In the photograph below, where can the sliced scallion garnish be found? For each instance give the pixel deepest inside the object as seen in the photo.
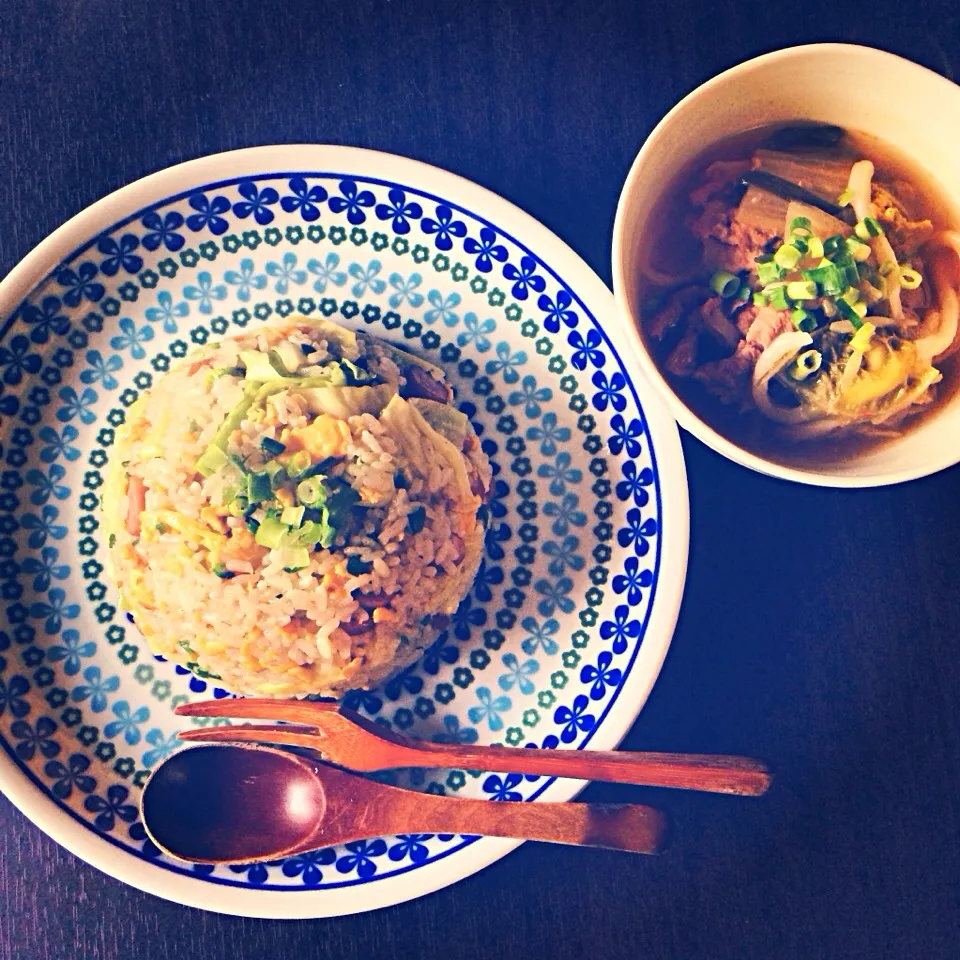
(802, 290)
(910, 279)
(725, 284)
(804, 320)
(787, 256)
(807, 363)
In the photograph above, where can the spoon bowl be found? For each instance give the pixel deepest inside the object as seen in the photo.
(243, 803)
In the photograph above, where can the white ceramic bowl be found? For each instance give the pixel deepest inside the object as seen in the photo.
(906, 105)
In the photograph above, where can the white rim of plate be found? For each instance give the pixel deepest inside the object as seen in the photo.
(314, 904)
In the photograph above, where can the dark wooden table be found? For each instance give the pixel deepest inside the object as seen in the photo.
(820, 628)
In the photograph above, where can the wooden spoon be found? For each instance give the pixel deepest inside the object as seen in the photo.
(240, 804)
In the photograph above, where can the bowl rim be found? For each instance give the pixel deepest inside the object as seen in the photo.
(685, 417)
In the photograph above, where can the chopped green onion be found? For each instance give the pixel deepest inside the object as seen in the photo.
(292, 516)
(222, 572)
(909, 278)
(258, 487)
(851, 275)
(764, 258)
(803, 319)
(356, 566)
(848, 313)
(832, 244)
(860, 309)
(270, 533)
(311, 492)
(768, 272)
(299, 463)
(238, 506)
(759, 300)
(806, 364)
(416, 519)
(271, 446)
(778, 297)
(861, 339)
(787, 256)
(826, 277)
(857, 249)
(815, 247)
(312, 532)
(845, 197)
(726, 284)
(211, 460)
(800, 243)
(851, 295)
(276, 472)
(800, 226)
(744, 292)
(868, 227)
(802, 290)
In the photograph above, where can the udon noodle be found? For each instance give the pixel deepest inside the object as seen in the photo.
(801, 283)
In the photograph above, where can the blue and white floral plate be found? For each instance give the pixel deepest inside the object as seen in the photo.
(564, 632)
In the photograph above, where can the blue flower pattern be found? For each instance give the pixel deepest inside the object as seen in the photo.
(163, 231)
(549, 434)
(489, 709)
(133, 337)
(102, 369)
(326, 272)
(166, 312)
(366, 279)
(446, 227)
(486, 249)
(525, 278)
(256, 202)
(286, 273)
(404, 290)
(95, 689)
(352, 201)
(70, 650)
(246, 279)
(127, 723)
(530, 396)
(120, 255)
(204, 292)
(399, 211)
(443, 309)
(209, 215)
(475, 332)
(304, 198)
(518, 674)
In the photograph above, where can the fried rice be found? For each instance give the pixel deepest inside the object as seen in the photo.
(296, 510)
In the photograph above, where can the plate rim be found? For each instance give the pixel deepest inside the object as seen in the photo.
(529, 232)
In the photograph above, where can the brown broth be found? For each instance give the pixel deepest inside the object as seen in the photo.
(674, 250)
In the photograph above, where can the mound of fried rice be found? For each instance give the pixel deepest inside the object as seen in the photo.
(296, 510)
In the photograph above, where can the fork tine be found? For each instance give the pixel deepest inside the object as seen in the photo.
(255, 708)
(255, 733)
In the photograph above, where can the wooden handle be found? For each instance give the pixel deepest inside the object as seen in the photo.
(712, 773)
(630, 827)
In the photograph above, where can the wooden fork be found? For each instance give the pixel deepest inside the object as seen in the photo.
(349, 740)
